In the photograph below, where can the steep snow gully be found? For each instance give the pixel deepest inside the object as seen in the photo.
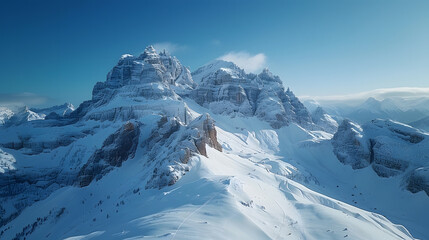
(163, 153)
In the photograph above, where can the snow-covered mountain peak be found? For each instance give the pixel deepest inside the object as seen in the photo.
(227, 89)
(374, 105)
(126, 56)
(324, 120)
(266, 74)
(61, 110)
(5, 114)
(213, 66)
(23, 115)
(150, 55)
(150, 50)
(136, 81)
(144, 159)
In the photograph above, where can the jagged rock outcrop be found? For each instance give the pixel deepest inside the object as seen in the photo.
(391, 148)
(116, 149)
(172, 145)
(227, 89)
(419, 180)
(138, 86)
(349, 145)
(324, 120)
(206, 134)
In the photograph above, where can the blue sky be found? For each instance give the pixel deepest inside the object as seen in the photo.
(57, 50)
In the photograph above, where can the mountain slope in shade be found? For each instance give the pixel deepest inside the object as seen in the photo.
(60, 110)
(421, 124)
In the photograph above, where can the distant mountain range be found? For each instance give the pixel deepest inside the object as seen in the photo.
(398, 109)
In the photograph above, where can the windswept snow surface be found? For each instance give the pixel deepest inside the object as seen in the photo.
(263, 183)
(251, 190)
(230, 195)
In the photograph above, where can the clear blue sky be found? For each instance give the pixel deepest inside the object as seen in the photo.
(60, 49)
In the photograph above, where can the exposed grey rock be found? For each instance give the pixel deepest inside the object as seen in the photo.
(207, 134)
(389, 147)
(324, 120)
(349, 145)
(419, 180)
(116, 149)
(226, 89)
(171, 146)
(133, 83)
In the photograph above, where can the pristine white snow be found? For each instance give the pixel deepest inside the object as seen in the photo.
(231, 194)
(266, 183)
(5, 114)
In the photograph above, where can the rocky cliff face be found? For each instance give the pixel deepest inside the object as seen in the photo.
(117, 148)
(324, 120)
(226, 89)
(350, 146)
(80, 146)
(419, 180)
(389, 147)
(172, 145)
(137, 86)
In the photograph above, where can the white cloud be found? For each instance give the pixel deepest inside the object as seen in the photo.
(246, 61)
(168, 46)
(379, 94)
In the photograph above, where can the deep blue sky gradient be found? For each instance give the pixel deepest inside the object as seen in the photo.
(60, 49)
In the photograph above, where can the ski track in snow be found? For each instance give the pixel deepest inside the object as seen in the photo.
(190, 215)
(266, 180)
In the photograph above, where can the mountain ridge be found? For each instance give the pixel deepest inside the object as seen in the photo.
(151, 158)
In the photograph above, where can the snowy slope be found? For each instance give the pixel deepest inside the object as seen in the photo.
(143, 159)
(60, 110)
(5, 114)
(231, 194)
(421, 124)
(23, 115)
